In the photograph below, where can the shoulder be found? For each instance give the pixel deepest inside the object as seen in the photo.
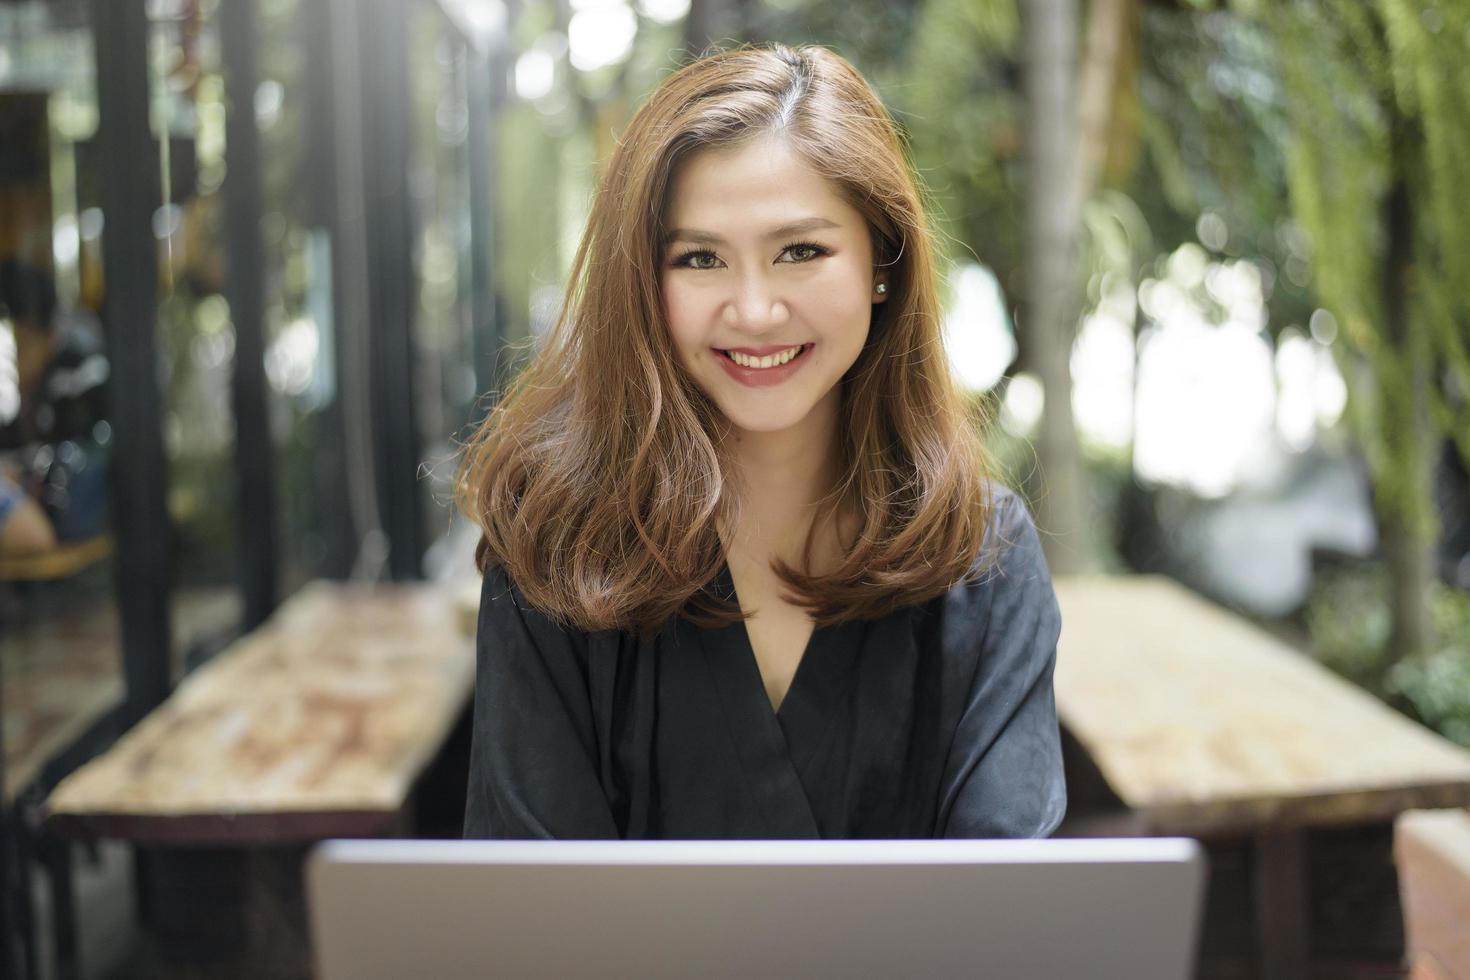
(1007, 505)
(1012, 542)
(1010, 570)
(499, 592)
(504, 609)
(1003, 620)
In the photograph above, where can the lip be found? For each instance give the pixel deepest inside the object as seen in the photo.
(763, 377)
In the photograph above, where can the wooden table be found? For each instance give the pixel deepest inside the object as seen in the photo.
(318, 724)
(1205, 725)
(330, 709)
(62, 702)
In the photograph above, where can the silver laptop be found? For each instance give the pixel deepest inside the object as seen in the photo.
(1102, 909)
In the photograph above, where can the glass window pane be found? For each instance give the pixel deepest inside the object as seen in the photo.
(196, 336)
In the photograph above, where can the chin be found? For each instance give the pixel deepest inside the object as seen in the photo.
(765, 421)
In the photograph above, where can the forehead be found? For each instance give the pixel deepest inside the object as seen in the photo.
(753, 184)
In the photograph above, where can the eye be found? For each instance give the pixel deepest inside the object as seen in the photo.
(701, 258)
(805, 251)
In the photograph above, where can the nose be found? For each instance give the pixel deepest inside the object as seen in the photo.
(755, 306)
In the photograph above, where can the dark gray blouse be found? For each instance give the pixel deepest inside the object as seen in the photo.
(935, 721)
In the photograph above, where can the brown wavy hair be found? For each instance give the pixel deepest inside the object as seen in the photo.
(600, 477)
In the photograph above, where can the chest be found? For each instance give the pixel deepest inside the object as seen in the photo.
(856, 745)
(779, 632)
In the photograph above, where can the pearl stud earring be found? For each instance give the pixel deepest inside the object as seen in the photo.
(881, 288)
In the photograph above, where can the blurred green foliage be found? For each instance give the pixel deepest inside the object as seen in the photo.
(1348, 617)
(1378, 99)
(1015, 462)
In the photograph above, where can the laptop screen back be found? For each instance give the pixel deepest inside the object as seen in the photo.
(1124, 908)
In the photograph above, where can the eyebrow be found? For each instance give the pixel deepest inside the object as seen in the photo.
(708, 238)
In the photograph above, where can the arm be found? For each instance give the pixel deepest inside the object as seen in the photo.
(532, 753)
(1004, 774)
(24, 527)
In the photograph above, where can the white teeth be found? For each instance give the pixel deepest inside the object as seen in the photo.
(770, 360)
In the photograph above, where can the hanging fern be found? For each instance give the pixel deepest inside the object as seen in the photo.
(1357, 76)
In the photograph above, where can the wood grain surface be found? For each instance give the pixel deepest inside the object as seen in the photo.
(329, 711)
(1202, 722)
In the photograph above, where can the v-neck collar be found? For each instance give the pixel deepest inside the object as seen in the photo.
(756, 735)
(725, 587)
(775, 745)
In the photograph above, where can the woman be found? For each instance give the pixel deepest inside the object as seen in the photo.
(744, 574)
(56, 441)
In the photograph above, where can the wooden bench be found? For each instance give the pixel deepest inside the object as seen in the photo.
(318, 724)
(63, 700)
(1195, 722)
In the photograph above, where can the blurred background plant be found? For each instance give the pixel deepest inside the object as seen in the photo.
(1350, 622)
(1258, 356)
(1203, 267)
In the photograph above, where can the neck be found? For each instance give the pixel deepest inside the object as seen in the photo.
(783, 476)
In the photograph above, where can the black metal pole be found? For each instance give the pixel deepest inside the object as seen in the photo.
(485, 94)
(388, 132)
(334, 514)
(130, 181)
(349, 97)
(245, 288)
(10, 878)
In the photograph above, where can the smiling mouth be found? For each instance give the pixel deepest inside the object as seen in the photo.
(772, 360)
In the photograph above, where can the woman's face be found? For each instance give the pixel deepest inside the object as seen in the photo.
(768, 283)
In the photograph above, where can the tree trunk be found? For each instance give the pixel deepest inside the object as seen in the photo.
(1107, 26)
(1411, 573)
(1405, 491)
(1049, 37)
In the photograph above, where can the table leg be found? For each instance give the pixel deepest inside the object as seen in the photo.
(234, 913)
(1280, 904)
(23, 854)
(14, 951)
(57, 857)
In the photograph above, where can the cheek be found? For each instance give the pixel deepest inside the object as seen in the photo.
(678, 319)
(839, 301)
(683, 320)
